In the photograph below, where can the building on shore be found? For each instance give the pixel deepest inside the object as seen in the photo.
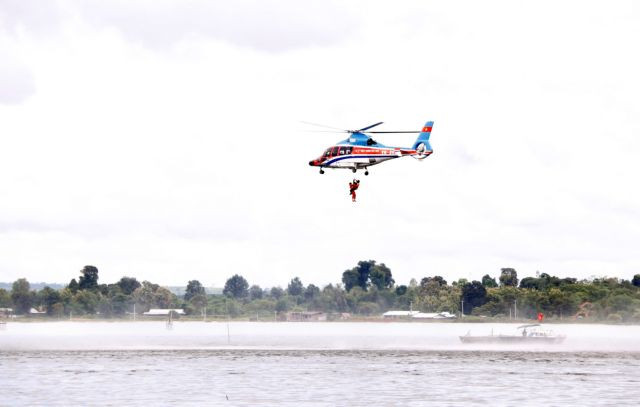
(417, 315)
(159, 312)
(302, 316)
(399, 314)
(433, 315)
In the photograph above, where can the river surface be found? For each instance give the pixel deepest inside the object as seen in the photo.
(314, 364)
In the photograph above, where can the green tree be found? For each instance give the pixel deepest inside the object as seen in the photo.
(5, 299)
(282, 305)
(193, 288)
(401, 290)
(432, 285)
(48, 298)
(120, 303)
(163, 298)
(236, 287)
(560, 302)
(21, 296)
(333, 299)
(367, 308)
(488, 281)
(104, 307)
(636, 280)
(57, 309)
(380, 276)
(276, 292)
(103, 289)
(311, 292)
(350, 279)
(89, 278)
(128, 285)
(255, 292)
(364, 269)
(199, 301)
(508, 277)
(151, 295)
(532, 283)
(145, 295)
(295, 287)
(87, 301)
(359, 275)
(460, 283)
(73, 286)
(474, 295)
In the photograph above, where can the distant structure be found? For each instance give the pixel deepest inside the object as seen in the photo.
(584, 310)
(399, 314)
(34, 311)
(302, 316)
(433, 315)
(417, 315)
(160, 312)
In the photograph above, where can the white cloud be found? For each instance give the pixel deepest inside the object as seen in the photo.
(16, 81)
(163, 142)
(273, 25)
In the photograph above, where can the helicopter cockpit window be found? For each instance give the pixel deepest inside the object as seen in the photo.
(343, 150)
(334, 152)
(327, 153)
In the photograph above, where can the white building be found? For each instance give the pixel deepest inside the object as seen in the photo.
(399, 314)
(433, 315)
(156, 312)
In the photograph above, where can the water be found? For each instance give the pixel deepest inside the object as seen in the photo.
(323, 364)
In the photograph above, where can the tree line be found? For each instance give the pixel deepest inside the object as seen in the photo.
(366, 289)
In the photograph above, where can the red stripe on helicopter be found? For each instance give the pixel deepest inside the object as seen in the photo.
(373, 151)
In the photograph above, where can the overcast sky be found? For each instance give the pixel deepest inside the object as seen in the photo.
(161, 139)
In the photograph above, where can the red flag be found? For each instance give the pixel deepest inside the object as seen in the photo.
(540, 316)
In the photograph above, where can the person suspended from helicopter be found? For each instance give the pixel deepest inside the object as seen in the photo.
(352, 188)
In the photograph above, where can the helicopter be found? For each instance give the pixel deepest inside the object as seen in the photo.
(360, 150)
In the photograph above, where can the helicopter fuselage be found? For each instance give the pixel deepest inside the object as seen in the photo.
(358, 157)
(360, 151)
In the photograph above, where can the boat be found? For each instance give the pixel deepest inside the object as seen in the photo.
(529, 334)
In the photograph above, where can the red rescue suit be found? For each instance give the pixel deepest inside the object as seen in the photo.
(352, 189)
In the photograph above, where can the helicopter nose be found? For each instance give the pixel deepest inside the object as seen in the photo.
(311, 163)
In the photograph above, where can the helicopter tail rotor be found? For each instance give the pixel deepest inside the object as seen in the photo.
(423, 137)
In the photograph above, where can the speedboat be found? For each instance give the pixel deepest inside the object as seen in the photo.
(529, 334)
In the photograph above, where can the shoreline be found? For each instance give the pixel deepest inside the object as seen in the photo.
(378, 320)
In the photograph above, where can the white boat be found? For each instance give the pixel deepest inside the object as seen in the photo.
(529, 334)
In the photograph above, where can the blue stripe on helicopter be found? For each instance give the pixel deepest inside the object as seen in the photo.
(356, 156)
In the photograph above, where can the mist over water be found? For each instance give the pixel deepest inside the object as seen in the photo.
(317, 364)
(151, 335)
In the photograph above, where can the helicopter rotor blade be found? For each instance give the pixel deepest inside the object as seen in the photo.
(324, 131)
(362, 130)
(393, 132)
(368, 127)
(324, 125)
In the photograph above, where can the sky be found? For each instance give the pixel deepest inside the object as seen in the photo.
(162, 139)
